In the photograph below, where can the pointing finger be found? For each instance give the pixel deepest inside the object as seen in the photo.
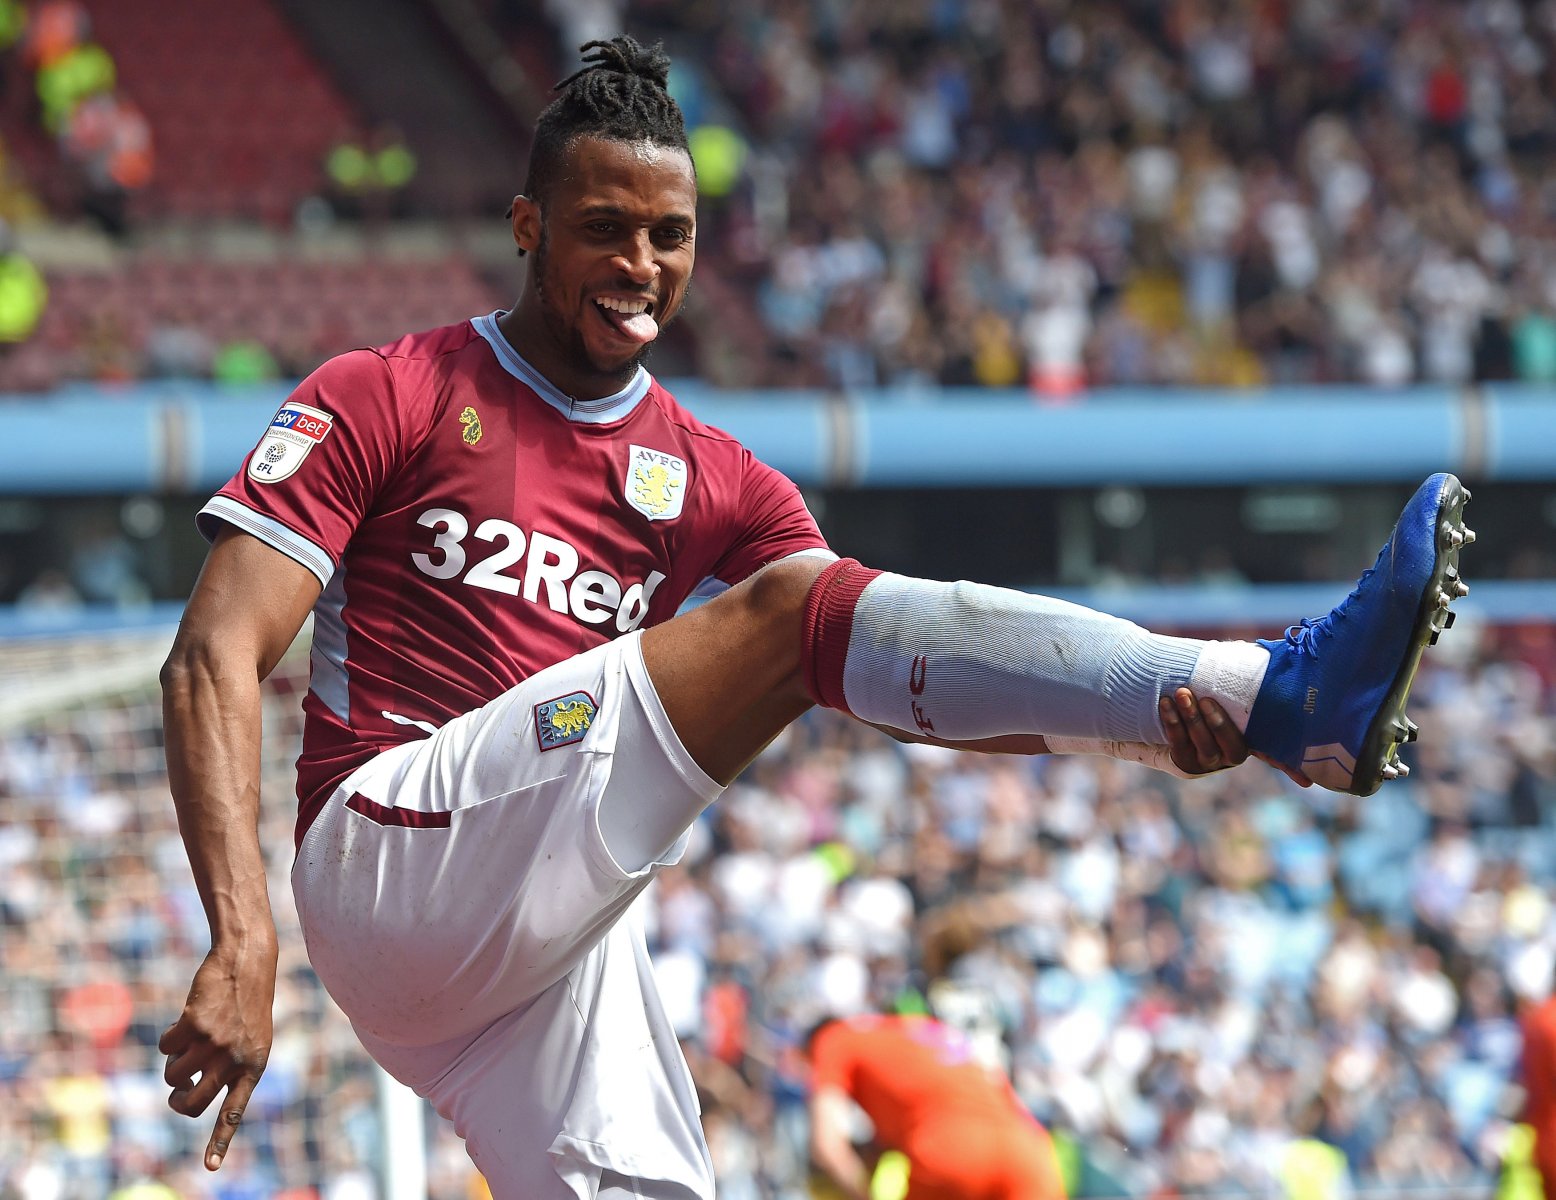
(228, 1120)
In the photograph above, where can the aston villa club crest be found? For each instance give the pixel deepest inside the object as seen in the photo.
(565, 720)
(294, 431)
(656, 483)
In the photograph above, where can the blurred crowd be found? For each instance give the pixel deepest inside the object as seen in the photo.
(1187, 980)
(103, 140)
(100, 928)
(1039, 194)
(1209, 192)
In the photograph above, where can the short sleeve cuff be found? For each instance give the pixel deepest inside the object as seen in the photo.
(268, 530)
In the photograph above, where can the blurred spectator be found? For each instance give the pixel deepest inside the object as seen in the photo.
(1534, 346)
(50, 591)
(101, 134)
(64, 82)
(718, 154)
(368, 178)
(244, 361)
(108, 138)
(52, 29)
(580, 21)
(1538, 1076)
(104, 565)
(178, 348)
(23, 293)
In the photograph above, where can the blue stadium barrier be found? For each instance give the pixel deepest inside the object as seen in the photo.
(18, 623)
(190, 438)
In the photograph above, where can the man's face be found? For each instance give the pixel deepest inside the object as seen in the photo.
(613, 252)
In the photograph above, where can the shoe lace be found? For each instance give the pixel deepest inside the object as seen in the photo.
(1311, 632)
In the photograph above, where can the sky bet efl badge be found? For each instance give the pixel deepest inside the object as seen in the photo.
(295, 430)
(656, 483)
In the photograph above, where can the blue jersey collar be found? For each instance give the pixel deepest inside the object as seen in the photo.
(593, 412)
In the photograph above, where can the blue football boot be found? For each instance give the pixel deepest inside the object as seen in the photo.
(1332, 704)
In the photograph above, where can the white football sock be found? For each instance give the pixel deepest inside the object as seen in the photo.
(963, 661)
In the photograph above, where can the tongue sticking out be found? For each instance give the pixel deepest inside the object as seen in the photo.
(640, 327)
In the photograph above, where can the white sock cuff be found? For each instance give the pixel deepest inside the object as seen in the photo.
(1231, 673)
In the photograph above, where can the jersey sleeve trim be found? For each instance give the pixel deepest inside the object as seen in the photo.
(267, 530)
(824, 553)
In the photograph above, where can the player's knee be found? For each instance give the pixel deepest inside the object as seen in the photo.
(772, 619)
(761, 621)
(778, 592)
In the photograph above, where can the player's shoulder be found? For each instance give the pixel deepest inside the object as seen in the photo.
(714, 453)
(700, 435)
(430, 345)
(838, 1040)
(403, 374)
(367, 364)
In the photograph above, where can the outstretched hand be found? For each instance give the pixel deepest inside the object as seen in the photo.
(1202, 738)
(223, 1036)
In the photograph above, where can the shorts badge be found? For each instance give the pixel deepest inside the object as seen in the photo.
(656, 483)
(565, 720)
(471, 420)
(294, 431)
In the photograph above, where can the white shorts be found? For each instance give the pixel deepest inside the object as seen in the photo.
(461, 906)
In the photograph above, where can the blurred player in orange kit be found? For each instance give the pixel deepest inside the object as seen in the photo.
(1539, 1080)
(964, 1132)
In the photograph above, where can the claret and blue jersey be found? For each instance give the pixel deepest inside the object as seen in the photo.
(470, 525)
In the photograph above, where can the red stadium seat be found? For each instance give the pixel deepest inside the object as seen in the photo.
(238, 133)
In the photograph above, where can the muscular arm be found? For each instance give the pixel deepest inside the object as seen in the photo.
(247, 607)
(829, 1145)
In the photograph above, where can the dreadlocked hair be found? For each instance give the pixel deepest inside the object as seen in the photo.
(620, 94)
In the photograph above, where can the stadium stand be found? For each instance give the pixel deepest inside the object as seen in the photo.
(1050, 197)
(168, 315)
(241, 114)
(463, 106)
(1122, 192)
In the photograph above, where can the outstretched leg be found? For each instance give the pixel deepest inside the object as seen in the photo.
(965, 662)
(733, 673)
